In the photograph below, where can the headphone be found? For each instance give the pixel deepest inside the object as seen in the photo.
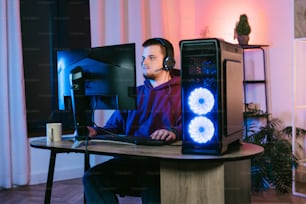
(169, 61)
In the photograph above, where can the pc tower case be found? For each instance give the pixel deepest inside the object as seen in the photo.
(212, 95)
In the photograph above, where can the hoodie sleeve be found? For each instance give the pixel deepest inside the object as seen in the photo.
(114, 124)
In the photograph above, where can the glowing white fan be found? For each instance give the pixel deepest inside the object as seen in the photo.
(201, 129)
(201, 101)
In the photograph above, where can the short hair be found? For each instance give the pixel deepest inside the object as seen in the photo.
(166, 46)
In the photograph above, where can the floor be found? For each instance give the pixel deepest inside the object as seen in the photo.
(71, 192)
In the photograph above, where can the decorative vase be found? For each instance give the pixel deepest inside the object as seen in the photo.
(243, 39)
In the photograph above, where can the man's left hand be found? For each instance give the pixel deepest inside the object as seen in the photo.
(163, 134)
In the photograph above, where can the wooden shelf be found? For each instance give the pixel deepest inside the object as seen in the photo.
(254, 81)
(255, 115)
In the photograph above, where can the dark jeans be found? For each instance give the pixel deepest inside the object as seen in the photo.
(122, 176)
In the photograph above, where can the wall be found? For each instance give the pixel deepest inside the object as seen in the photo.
(272, 24)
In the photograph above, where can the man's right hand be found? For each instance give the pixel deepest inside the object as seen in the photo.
(91, 131)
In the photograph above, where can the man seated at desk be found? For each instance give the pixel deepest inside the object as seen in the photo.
(158, 116)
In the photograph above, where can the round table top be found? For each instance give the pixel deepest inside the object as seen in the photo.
(165, 152)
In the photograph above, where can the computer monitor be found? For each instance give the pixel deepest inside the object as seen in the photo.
(96, 78)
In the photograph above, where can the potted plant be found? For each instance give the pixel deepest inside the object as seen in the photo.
(299, 141)
(242, 30)
(274, 167)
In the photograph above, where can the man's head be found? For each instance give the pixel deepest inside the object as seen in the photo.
(158, 57)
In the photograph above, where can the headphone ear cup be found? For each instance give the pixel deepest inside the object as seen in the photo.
(168, 63)
(169, 60)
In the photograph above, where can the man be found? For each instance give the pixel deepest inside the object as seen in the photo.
(158, 116)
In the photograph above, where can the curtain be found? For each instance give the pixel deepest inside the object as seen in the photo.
(14, 158)
(122, 21)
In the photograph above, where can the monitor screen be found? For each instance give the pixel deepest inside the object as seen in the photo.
(109, 75)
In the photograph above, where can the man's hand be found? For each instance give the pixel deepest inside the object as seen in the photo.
(91, 131)
(163, 134)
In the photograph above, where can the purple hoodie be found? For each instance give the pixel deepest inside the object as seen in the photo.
(157, 108)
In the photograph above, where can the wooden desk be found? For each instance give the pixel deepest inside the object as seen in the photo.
(190, 179)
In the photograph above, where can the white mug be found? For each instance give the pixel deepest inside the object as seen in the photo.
(54, 132)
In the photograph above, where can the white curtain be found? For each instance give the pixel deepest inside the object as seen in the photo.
(121, 21)
(14, 158)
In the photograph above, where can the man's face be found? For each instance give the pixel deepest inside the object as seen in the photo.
(152, 61)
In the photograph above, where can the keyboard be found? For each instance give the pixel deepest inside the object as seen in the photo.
(138, 140)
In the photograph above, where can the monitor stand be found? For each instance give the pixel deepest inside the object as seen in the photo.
(80, 104)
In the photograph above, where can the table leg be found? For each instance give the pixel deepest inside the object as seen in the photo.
(86, 167)
(198, 182)
(50, 177)
(238, 182)
(192, 182)
(86, 161)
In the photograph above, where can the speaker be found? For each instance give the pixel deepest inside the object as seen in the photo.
(212, 96)
(169, 60)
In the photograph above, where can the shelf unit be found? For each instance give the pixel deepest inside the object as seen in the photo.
(255, 83)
